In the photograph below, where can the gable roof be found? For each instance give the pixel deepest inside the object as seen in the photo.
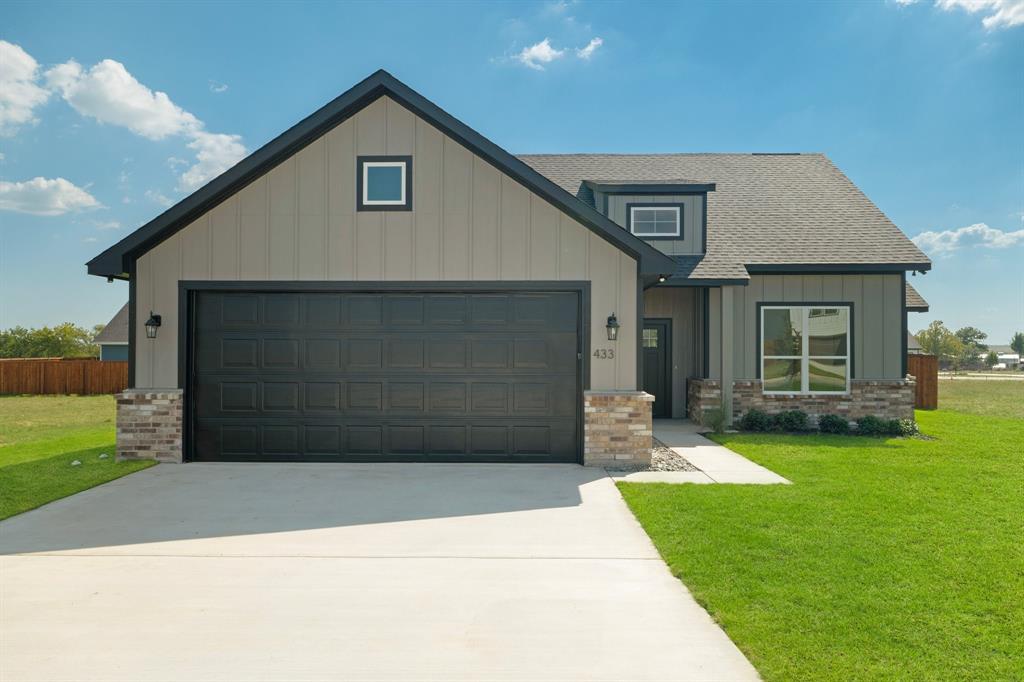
(114, 262)
(116, 330)
(768, 212)
(915, 301)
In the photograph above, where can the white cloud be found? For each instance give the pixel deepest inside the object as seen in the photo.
(216, 152)
(588, 51)
(946, 242)
(19, 92)
(156, 198)
(41, 196)
(107, 224)
(536, 56)
(998, 13)
(89, 240)
(218, 88)
(108, 93)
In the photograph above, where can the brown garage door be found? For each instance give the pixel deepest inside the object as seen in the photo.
(385, 376)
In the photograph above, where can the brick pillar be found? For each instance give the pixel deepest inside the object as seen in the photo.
(149, 424)
(617, 427)
(702, 395)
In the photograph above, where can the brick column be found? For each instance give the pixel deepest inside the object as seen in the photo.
(702, 395)
(617, 427)
(149, 424)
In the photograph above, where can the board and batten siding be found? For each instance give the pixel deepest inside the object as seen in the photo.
(877, 323)
(469, 221)
(693, 219)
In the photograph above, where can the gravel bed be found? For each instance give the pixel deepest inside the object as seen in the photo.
(663, 458)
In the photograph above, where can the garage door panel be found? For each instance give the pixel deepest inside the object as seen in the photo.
(390, 376)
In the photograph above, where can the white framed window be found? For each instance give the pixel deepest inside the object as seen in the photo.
(384, 183)
(658, 221)
(805, 348)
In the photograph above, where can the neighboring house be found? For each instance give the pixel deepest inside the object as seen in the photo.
(1008, 358)
(913, 345)
(382, 283)
(113, 339)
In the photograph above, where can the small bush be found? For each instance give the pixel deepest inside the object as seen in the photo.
(790, 420)
(715, 419)
(833, 423)
(907, 427)
(871, 426)
(755, 420)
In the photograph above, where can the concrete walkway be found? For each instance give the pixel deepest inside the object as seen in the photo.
(348, 571)
(717, 464)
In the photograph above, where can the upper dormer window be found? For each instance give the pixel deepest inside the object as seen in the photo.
(384, 183)
(655, 221)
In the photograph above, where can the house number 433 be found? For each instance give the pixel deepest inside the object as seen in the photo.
(604, 354)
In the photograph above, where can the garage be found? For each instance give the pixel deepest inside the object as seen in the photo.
(383, 374)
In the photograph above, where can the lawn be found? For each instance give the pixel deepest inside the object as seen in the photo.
(886, 560)
(39, 438)
(995, 397)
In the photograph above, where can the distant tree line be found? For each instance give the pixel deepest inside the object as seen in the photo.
(66, 340)
(963, 348)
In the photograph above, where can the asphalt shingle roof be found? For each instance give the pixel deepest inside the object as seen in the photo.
(915, 301)
(768, 209)
(116, 330)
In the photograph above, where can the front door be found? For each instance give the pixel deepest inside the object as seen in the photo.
(656, 340)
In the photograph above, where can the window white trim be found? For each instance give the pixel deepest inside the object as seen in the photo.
(367, 165)
(654, 207)
(805, 357)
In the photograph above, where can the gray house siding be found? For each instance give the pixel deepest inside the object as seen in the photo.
(470, 222)
(693, 218)
(877, 319)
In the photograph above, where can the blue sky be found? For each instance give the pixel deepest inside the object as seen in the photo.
(110, 112)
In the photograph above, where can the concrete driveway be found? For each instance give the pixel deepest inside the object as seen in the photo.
(348, 571)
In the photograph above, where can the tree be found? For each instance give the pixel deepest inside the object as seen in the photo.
(62, 341)
(938, 341)
(972, 349)
(1017, 343)
(991, 359)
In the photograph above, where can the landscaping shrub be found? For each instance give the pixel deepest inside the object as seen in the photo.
(908, 427)
(715, 419)
(871, 426)
(755, 420)
(790, 420)
(833, 423)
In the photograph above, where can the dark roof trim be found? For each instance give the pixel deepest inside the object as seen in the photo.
(836, 268)
(114, 262)
(697, 282)
(650, 188)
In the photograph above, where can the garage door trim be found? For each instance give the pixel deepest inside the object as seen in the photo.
(187, 290)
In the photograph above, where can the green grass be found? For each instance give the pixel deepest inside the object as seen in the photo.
(889, 559)
(995, 397)
(39, 438)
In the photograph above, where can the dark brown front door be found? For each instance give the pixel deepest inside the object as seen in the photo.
(655, 340)
(385, 376)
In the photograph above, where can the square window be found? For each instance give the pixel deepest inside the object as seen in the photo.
(805, 348)
(384, 183)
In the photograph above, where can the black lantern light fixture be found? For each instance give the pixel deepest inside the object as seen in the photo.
(612, 327)
(151, 325)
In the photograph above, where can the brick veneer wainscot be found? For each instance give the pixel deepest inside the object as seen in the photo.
(702, 395)
(617, 428)
(149, 424)
(886, 399)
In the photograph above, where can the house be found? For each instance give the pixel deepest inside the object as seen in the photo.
(113, 338)
(1007, 358)
(383, 283)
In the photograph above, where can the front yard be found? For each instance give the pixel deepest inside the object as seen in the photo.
(887, 559)
(40, 436)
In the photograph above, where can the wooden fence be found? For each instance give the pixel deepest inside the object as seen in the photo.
(925, 369)
(57, 376)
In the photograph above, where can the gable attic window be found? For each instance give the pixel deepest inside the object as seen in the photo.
(384, 183)
(655, 221)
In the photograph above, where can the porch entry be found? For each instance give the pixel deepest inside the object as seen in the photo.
(656, 347)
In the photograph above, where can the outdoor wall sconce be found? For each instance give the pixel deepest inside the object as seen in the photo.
(612, 327)
(151, 324)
